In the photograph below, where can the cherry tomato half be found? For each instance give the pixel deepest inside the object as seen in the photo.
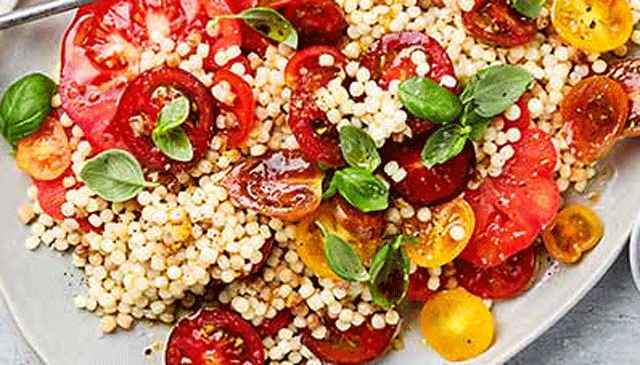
(429, 186)
(594, 26)
(139, 109)
(627, 73)
(282, 184)
(354, 346)
(46, 154)
(504, 281)
(243, 107)
(457, 324)
(318, 22)
(443, 238)
(271, 326)
(419, 285)
(595, 112)
(214, 336)
(574, 230)
(497, 22)
(304, 67)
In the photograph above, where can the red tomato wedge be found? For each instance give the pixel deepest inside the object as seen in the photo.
(318, 22)
(504, 281)
(139, 104)
(101, 51)
(495, 21)
(356, 345)
(512, 208)
(214, 336)
(244, 106)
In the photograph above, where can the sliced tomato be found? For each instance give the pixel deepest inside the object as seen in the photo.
(595, 114)
(389, 58)
(495, 21)
(305, 65)
(536, 157)
(504, 281)
(627, 73)
(318, 22)
(282, 184)
(271, 326)
(364, 226)
(356, 345)
(575, 230)
(523, 121)
(214, 336)
(138, 112)
(102, 48)
(419, 285)
(46, 154)
(429, 186)
(244, 107)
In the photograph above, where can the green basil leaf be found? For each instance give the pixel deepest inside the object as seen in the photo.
(115, 175)
(25, 105)
(270, 24)
(477, 123)
(444, 144)
(343, 259)
(359, 149)
(529, 8)
(428, 100)
(496, 88)
(389, 274)
(362, 189)
(332, 189)
(174, 143)
(173, 115)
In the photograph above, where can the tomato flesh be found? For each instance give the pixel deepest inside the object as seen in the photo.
(501, 282)
(214, 336)
(574, 230)
(497, 22)
(318, 22)
(429, 186)
(282, 184)
(304, 67)
(243, 107)
(627, 73)
(271, 326)
(356, 345)
(419, 285)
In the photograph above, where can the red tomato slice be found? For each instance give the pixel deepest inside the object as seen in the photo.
(244, 106)
(504, 281)
(418, 285)
(357, 345)
(318, 22)
(102, 48)
(389, 58)
(304, 67)
(536, 157)
(423, 186)
(214, 336)
(271, 326)
(524, 121)
(138, 102)
(497, 22)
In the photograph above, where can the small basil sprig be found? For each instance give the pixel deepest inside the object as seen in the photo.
(168, 136)
(359, 149)
(390, 274)
(25, 105)
(341, 257)
(444, 144)
(360, 188)
(269, 23)
(428, 100)
(115, 175)
(529, 8)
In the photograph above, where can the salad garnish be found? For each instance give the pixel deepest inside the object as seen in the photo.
(168, 136)
(269, 23)
(360, 188)
(359, 149)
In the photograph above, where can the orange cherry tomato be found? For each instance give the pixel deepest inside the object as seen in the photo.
(595, 112)
(46, 154)
(573, 231)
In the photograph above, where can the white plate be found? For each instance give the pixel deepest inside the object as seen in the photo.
(634, 252)
(7, 5)
(39, 286)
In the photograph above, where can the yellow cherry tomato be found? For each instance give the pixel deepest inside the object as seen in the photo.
(46, 154)
(593, 25)
(444, 237)
(457, 324)
(573, 231)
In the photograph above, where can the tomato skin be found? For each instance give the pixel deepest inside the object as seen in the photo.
(304, 67)
(357, 345)
(595, 112)
(243, 107)
(423, 186)
(137, 101)
(575, 230)
(504, 281)
(318, 22)
(194, 338)
(282, 184)
(497, 22)
(627, 73)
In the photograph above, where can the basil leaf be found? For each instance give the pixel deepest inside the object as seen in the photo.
(389, 274)
(361, 189)
(332, 189)
(115, 175)
(477, 123)
(174, 143)
(496, 88)
(529, 8)
(344, 260)
(359, 149)
(444, 144)
(173, 115)
(428, 100)
(25, 105)
(270, 24)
